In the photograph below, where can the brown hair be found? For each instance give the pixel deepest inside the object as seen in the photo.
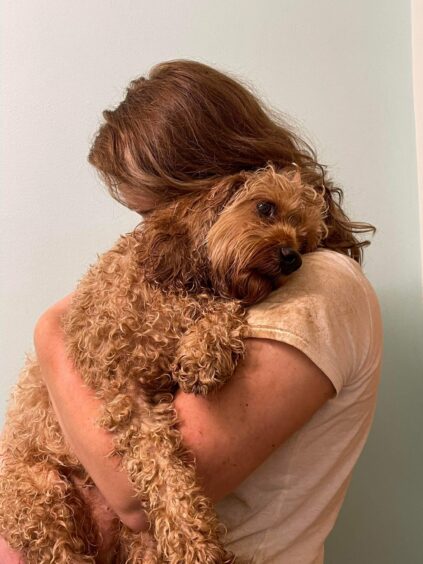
(189, 126)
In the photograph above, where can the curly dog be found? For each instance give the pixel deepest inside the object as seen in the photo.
(164, 309)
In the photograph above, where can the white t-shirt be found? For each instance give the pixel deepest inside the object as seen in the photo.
(283, 512)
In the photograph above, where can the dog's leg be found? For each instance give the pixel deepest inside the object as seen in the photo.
(42, 514)
(136, 548)
(44, 518)
(208, 352)
(183, 520)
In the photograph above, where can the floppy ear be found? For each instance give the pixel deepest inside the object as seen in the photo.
(172, 250)
(166, 250)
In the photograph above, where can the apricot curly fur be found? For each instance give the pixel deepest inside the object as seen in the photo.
(163, 309)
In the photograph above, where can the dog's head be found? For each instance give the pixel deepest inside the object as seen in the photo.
(241, 240)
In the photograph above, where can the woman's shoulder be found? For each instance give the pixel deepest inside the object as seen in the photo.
(327, 269)
(328, 309)
(325, 276)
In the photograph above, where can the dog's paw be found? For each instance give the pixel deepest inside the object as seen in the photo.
(195, 377)
(208, 352)
(199, 389)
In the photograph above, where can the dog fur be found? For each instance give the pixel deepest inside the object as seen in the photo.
(164, 309)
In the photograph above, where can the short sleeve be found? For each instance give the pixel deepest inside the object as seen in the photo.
(324, 310)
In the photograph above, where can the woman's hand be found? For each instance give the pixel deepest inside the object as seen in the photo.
(77, 410)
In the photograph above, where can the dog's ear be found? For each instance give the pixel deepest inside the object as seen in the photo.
(166, 251)
(172, 241)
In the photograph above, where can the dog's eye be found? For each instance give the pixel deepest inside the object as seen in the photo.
(266, 209)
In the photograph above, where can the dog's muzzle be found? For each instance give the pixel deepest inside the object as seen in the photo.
(290, 260)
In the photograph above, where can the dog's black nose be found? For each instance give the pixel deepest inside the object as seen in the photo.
(290, 260)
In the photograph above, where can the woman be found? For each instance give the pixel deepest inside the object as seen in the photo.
(275, 448)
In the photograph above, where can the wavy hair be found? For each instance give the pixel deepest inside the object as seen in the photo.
(187, 127)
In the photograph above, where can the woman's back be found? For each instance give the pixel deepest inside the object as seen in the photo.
(283, 511)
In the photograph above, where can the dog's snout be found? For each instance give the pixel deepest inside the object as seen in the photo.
(290, 260)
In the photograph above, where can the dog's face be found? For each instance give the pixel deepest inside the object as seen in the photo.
(241, 243)
(258, 239)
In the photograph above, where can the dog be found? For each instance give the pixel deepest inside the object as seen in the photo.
(164, 309)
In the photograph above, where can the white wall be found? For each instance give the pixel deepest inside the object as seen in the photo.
(417, 51)
(343, 69)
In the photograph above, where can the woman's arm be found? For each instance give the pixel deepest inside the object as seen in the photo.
(272, 394)
(274, 391)
(77, 409)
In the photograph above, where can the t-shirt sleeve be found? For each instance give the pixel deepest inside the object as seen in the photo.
(325, 311)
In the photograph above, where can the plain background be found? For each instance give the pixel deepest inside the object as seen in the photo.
(341, 69)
